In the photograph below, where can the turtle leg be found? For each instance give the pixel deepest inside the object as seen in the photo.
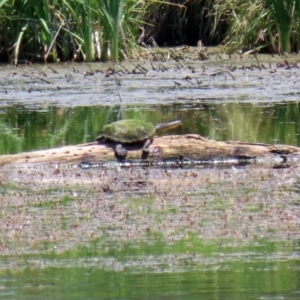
(120, 152)
(146, 149)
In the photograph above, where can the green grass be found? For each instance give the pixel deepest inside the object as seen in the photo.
(66, 29)
(269, 24)
(91, 29)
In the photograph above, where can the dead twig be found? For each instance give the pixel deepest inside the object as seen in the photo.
(222, 71)
(53, 41)
(31, 74)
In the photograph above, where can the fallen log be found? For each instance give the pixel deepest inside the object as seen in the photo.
(189, 146)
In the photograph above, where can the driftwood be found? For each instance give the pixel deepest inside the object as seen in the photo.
(188, 146)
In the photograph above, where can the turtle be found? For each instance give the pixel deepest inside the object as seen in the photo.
(132, 132)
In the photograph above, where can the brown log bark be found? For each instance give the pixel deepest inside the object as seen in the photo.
(189, 146)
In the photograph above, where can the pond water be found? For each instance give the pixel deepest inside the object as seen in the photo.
(217, 232)
(25, 129)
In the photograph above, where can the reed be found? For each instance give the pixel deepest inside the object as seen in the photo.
(51, 29)
(133, 14)
(297, 24)
(109, 23)
(260, 23)
(245, 20)
(283, 14)
(31, 27)
(66, 29)
(80, 30)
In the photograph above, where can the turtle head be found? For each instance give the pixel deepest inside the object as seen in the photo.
(168, 125)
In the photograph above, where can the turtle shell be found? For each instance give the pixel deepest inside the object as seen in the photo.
(127, 131)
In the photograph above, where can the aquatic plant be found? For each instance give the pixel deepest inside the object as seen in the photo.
(244, 19)
(111, 19)
(67, 30)
(260, 24)
(27, 27)
(90, 29)
(282, 13)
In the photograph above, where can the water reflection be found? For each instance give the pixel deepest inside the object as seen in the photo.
(185, 234)
(23, 130)
(181, 234)
(224, 280)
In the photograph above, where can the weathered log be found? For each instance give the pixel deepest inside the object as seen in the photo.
(189, 146)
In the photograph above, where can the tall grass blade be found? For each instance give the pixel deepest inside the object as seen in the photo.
(54, 40)
(282, 11)
(18, 43)
(111, 15)
(3, 2)
(297, 23)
